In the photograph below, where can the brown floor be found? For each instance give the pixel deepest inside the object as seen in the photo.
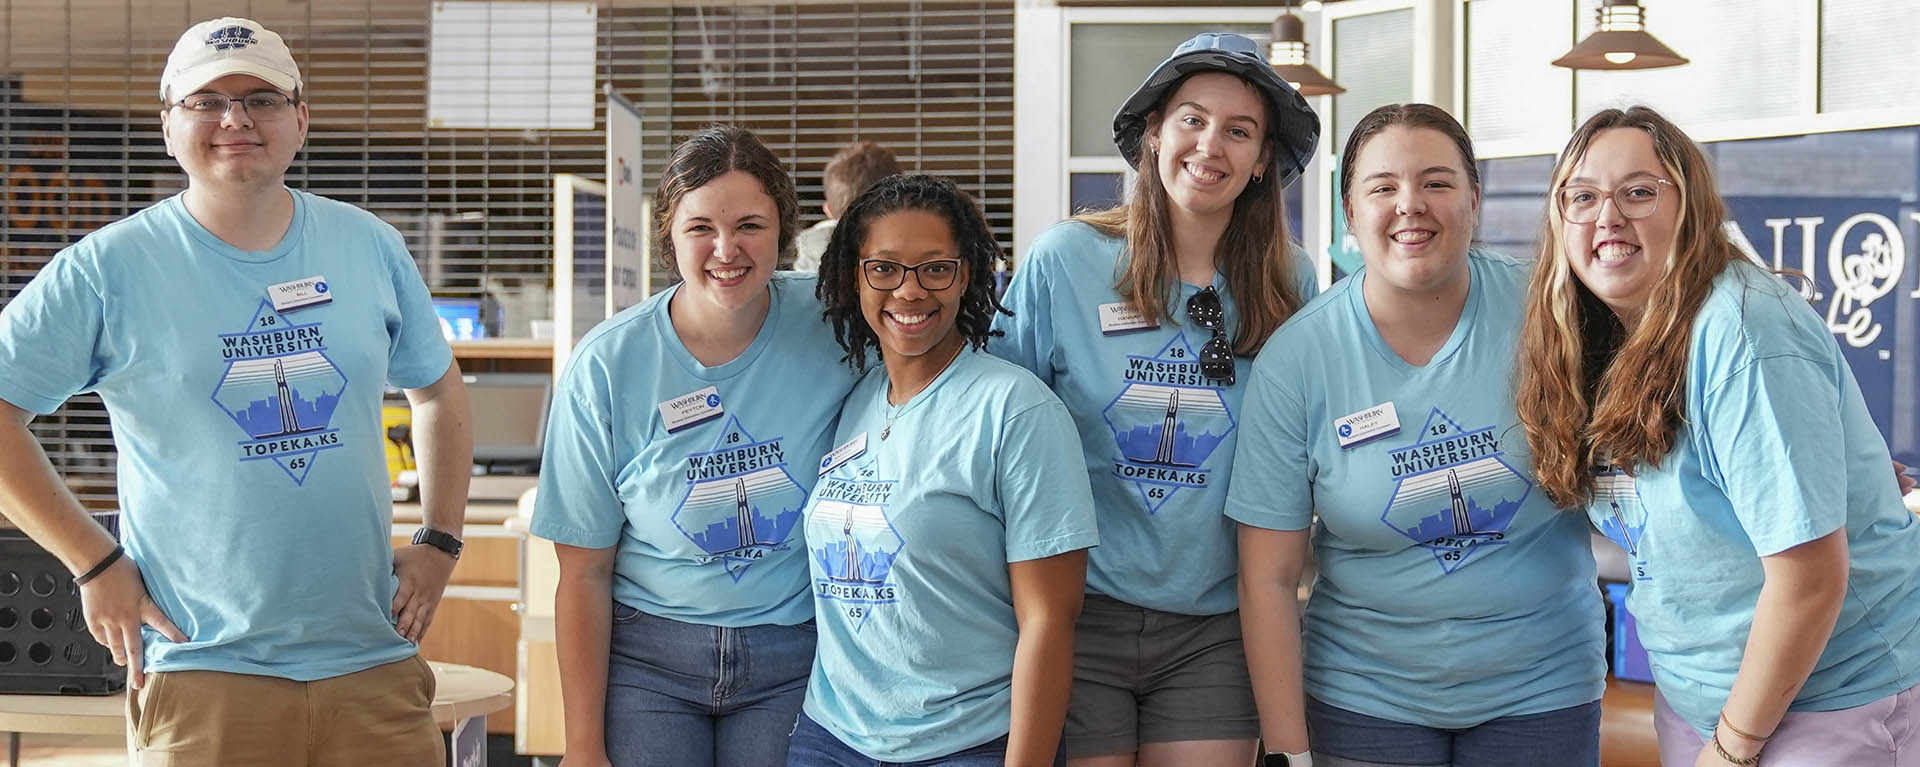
(68, 751)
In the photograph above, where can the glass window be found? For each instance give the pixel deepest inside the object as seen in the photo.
(1110, 60)
(1372, 59)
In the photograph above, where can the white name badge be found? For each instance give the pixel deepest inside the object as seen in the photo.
(299, 294)
(691, 409)
(1121, 318)
(1371, 423)
(844, 453)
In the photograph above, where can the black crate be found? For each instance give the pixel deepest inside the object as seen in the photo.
(44, 643)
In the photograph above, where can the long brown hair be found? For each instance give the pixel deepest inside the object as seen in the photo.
(1590, 389)
(1253, 254)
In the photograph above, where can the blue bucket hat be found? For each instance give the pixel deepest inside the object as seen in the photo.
(1295, 134)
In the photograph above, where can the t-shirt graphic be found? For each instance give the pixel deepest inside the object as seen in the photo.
(1454, 491)
(1167, 420)
(280, 389)
(741, 503)
(1616, 510)
(855, 543)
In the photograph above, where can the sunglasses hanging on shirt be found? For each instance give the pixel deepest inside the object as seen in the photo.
(1216, 355)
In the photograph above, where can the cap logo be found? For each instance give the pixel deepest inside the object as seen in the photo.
(231, 38)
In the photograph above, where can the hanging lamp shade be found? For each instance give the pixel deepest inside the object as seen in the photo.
(1620, 41)
(1288, 55)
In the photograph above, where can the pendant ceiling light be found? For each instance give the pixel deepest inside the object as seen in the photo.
(1288, 55)
(1620, 41)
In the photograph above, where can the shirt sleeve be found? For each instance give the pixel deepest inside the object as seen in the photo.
(419, 354)
(577, 503)
(1027, 337)
(1305, 279)
(1271, 486)
(1772, 428)
(50, 338)
(1044, 495)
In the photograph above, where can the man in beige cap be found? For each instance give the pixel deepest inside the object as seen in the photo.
(241, 334)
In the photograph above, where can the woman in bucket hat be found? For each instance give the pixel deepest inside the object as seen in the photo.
(1141, 318)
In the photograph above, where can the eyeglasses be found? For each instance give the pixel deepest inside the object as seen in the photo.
(1639, 199)
(1216, 355)
(938, 274)
(213, 107)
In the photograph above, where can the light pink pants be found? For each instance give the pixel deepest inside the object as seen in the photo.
(1884, 733)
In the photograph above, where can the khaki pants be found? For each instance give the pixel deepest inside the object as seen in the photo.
(381, 716)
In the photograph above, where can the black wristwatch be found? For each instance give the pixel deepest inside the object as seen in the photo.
(1277, 759)
(439, 540)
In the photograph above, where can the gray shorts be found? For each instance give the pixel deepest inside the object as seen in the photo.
(1144, 676)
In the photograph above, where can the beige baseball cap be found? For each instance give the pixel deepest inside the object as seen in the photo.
(225, 46)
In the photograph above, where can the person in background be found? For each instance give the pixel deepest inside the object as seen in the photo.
(848, 173)
(1143, 319)
(1702, 414)
(678, 456)
(241, 334)
(1455, 620)
(949, 529)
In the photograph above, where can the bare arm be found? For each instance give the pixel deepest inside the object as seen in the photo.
(583, 603)
(1270, 565)
(115, 602)
(1047, 594)
(443, 443)
(1792, 622)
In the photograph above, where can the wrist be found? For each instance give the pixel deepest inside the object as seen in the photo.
(1733, 749)
(447, 543)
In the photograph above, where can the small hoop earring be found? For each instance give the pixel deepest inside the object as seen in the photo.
(1257, 177)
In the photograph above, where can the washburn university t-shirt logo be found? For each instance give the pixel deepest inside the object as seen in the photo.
(855, 543)
(1453, 490)
(280, 388)
(231, 38)
(741, 503)
(1166, 421)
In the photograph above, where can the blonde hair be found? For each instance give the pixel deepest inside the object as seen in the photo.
(1253, 255)
(1589, 389)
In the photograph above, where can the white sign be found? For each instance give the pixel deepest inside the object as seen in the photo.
(627, 214)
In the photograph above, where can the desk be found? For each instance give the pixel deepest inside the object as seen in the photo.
(463, 695)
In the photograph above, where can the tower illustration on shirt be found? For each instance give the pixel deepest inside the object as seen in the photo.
(741, 503)
(281, 389)
(1166, 422)
(1617, 512)
(1454, 492)
(853, 542)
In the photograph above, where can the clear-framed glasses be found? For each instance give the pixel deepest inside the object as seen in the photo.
(937, 274)
(1216, 355)
(1635, 199)
(212, 107)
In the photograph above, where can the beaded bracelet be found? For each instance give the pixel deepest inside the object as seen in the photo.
(1722, 751)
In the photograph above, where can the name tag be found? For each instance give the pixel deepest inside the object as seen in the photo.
(1121, 318)
(299, 294)
(1371, 423)
(691, 409)
(844, 453)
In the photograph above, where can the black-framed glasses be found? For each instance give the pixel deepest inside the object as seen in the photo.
(1635, 199)
(1216, 355)
(213, 107)
(937, 274)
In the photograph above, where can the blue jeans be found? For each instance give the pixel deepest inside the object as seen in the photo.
(813, 746)
(688, 695)
(1568, 737)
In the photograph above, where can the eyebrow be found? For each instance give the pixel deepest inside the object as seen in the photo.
(1630, 176)
(1203, 110)
(1390, 174)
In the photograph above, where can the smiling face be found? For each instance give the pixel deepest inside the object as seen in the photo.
(726, 241)
(1616, 257)
(1412, 206)
(911, 320)
(1209, 142)
(241, 150)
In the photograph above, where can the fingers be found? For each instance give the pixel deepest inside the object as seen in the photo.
(150, 614)
(130, 650)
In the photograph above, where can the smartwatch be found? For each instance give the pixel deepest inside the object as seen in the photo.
(439, 540)
(1281, 759)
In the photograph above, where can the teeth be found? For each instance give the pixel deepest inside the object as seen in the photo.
(1204, 174)
(727, 274)
(909, 319)
(1615, 251)
(1412, 237)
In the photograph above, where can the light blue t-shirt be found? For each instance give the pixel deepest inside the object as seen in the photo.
(911, 536)
(252, 474)
(1157, 437)
(697, 473)
(1450, 590)
(1777, 450)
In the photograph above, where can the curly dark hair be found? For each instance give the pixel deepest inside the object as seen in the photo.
(710, 154)
(839, 288)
